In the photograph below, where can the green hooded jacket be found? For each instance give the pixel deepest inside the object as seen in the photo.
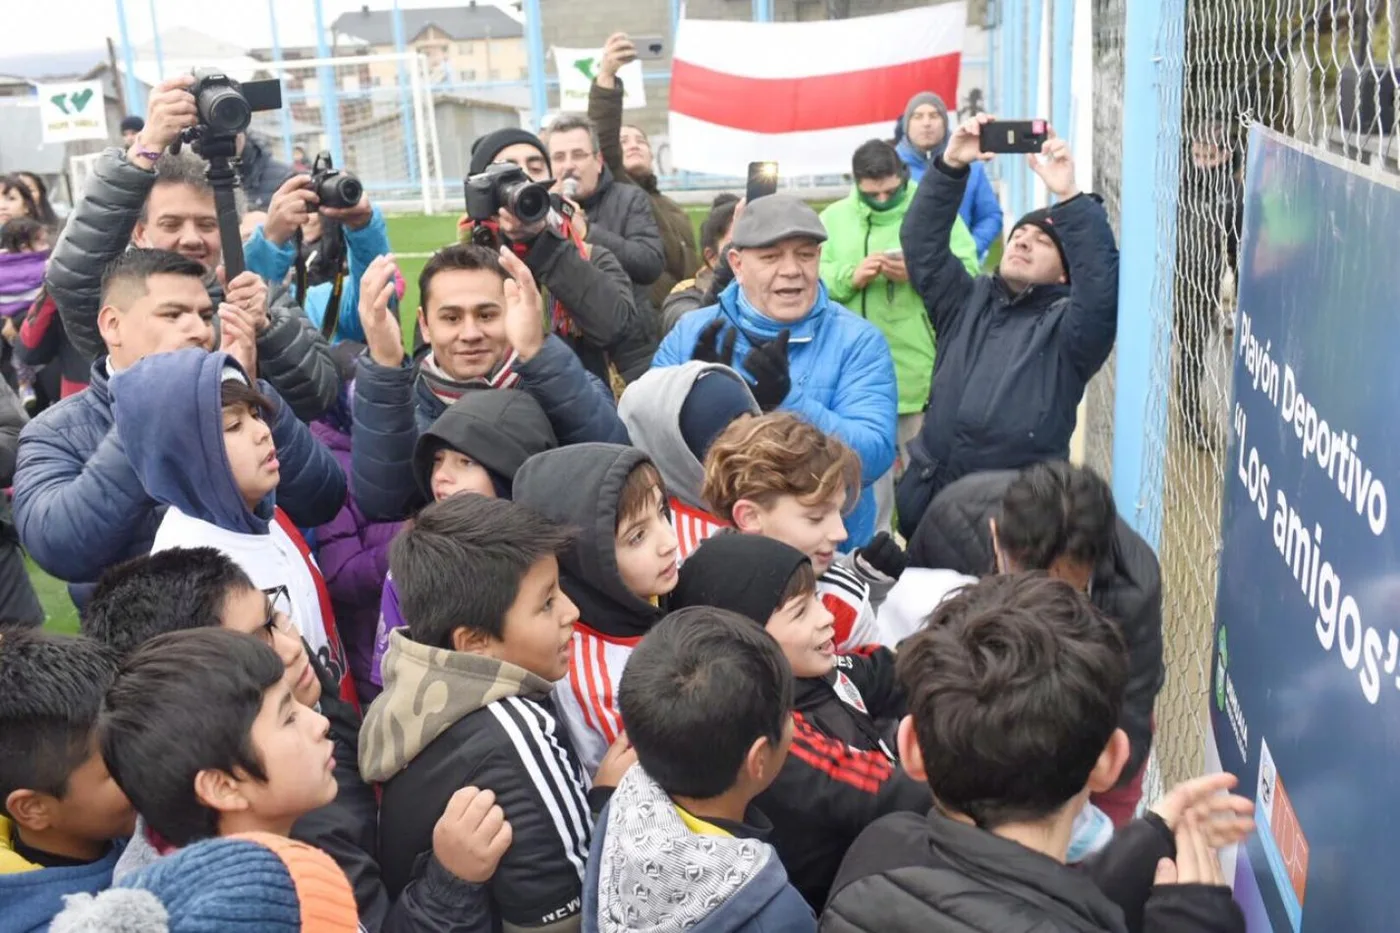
(856, 231)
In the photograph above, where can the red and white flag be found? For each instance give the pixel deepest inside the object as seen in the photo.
(805, 94)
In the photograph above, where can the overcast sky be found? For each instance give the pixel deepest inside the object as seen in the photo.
(36, 26)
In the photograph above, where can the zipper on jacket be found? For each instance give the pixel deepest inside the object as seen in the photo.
(869, 228)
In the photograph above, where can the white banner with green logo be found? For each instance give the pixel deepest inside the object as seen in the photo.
(578, 67)
(72, 110)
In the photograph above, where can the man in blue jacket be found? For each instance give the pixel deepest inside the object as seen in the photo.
(799, 350)
(1015, 348)
(482, 318)
(921, 137)
(78, 503)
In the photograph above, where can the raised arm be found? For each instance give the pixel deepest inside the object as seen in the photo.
(605, 101)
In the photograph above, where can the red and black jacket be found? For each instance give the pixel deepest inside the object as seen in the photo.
(842, 772)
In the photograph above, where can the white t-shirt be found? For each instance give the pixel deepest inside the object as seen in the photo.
(913, 599)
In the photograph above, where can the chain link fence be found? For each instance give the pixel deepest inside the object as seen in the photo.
(1322, 72)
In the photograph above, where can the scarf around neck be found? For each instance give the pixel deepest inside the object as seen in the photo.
(448, 389)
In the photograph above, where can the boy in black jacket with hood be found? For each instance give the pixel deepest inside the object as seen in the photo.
(620, 566)
(841, 773)
(1014, 689)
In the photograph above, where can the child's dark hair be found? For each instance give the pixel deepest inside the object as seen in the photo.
(1015, 687)
(718, 221)
(51, 689)
(698, 691)
(20, 234)
(233, 392)
(183, 703)
(170, 591)
(458, 257)
(9, 183)
(1056, 510)
(460, 562)
(637, 490)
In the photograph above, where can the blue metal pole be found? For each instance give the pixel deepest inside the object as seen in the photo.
(989, 98)
(763, 11)
(410, 140)
(1153, 50)
(160, 53)
(534, 46)
(1061, 66)
(675, 16)
(325, 80)
(1035, 27)
(286, 112)
(1016, 56)
(135, 94)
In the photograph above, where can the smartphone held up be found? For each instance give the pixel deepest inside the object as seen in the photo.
(762, 180)
(1011, 136)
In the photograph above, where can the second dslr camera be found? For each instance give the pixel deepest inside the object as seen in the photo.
(505, 185)
(333, 187)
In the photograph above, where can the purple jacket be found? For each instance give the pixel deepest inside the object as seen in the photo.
(390, 618)
(21, 276)
(354, 556)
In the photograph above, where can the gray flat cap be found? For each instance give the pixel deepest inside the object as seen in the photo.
(773, 218)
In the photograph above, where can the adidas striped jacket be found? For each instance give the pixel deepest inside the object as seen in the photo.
(846, 595)
(842, 771)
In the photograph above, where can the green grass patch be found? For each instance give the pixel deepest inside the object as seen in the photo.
(60, 615)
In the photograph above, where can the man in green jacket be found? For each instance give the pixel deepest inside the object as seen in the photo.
(863, 268)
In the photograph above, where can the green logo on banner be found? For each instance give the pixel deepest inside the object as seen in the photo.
(78, 100)
(1220, 665)
(588, 67)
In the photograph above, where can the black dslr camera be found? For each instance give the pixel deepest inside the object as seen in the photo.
(226, 106)
(505, 185)
(333, 187)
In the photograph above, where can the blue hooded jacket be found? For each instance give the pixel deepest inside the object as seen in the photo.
(842, 381)
(168, 414)
(32, 899)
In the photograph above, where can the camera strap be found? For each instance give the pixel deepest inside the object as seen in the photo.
(331, 318)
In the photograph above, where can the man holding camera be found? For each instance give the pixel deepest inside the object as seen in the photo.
(592, 300)
(616, 216)
(626, 151)
(147, 197)
(1015, 348)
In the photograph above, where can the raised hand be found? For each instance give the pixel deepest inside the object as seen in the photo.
(472, 835)
(524, 316)
(768, 365)
(965, 145)
(383, 335)
(291, 207)
(1224, 818)
(249, 292)
(238, 338)
(884, 556)
(707, 348)
(1196, 859)
(171, 110)
(617, 51)
(1055, 167)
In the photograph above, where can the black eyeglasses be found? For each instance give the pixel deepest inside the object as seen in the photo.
(279, 619)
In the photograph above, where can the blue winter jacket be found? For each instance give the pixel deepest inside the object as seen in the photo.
(33, 898)
(364, 245)
(393, 406)
(842, 381)
(980, 209)
(80, 507)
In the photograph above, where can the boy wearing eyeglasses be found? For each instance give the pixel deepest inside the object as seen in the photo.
(211, 444)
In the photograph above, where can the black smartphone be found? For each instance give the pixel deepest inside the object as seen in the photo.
(763, 180)
(1014, 136)
(649, 48)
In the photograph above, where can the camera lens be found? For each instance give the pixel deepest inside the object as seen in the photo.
(341, 190)
(530, 203)
(224, 110)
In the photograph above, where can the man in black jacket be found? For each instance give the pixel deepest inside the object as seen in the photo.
(615, 215)
(147, 197)
(1061, 519)
(260, 174)
(601, 319)
(1014, 689)
(1016, 348)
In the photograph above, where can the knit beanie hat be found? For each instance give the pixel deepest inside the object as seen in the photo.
(132, 124)
(716, 398)
(747, 574)
(917, 101)
(486, 148)
(249, 883)
(1042, 220)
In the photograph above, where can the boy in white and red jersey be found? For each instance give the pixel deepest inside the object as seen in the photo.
(673, 415)
(620, 566)
(781, 477)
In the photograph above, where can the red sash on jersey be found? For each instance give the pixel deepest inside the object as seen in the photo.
(340, 669)
(692, 526)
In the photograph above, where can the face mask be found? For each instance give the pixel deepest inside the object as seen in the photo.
(894, 200)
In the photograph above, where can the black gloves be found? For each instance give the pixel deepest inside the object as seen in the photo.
(883, 556)
(767, 362)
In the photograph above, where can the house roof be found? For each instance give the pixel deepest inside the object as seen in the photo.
(469, 21)
(37, 66)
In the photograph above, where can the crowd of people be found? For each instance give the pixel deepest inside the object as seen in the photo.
(647, 585)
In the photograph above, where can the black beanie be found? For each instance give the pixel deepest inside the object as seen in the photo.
(747, 574)
(486, 148)
(715, 399)
(132, 124)
(1043, 220)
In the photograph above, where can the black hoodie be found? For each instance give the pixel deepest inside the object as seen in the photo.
(497, 428)
(580, 486)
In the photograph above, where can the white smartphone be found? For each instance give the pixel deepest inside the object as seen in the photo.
(894, 254)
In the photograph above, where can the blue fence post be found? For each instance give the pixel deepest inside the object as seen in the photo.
(1035, 30)
(1153, 50)
(1061, 66)
(410, 124)
(534, 47)
(155, 39)
(1015, 52)
(329, 93)
(286, 110)
(135, 94)
(763, 11)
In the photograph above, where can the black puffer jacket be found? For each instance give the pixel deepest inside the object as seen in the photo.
(955, 535)
(929, 873)
(260, 174)
(292, 355)
(620, 218)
